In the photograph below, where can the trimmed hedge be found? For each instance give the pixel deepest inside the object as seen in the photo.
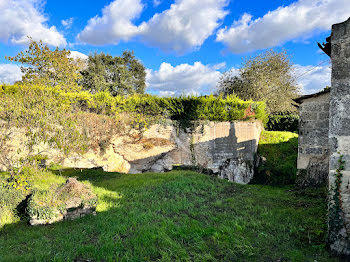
(183, 109)
(283, 122)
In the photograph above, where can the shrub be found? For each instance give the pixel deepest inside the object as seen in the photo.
(283, 122)
(43, 115)
(10, 198)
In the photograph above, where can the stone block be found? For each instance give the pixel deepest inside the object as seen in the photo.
(334, 162)
(333, 144)
(314, 150)
(307, 116)
(323, 116)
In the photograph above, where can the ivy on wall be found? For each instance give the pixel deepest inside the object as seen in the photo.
(336, 221)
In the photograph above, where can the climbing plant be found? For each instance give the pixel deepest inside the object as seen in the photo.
(336, 221)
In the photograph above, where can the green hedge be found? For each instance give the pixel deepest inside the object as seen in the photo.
(184, 109)
(283, 122)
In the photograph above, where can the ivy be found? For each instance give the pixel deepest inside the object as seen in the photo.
(336, 219)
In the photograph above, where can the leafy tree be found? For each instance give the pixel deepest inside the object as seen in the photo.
(267, 77)
(48, 68)
(119, 75)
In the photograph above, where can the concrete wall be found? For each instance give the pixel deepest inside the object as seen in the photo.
(228, 149)
(313, 151)
(339, 140)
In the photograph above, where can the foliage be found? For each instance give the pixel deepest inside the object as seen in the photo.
(283, 122)
(13, 198)
(49, 68)
(177, 216)
(122, 75)
(36, 115)
(267, 77)
(147, 107)
(52, 203)
(336, 219)
(10, 198)
(280, 149)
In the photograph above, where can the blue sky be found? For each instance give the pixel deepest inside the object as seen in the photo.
(184, 44)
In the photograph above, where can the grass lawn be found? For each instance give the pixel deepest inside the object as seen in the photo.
(178, 216)
(281, 152)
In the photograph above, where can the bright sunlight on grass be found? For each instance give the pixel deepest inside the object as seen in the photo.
(178, 216)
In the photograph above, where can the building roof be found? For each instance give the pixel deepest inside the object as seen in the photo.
(301, 98)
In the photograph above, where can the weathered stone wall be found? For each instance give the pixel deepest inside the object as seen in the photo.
(227, 149)
(313, 152)
(339, 140)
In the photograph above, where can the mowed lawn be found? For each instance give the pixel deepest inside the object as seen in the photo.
(178, 216)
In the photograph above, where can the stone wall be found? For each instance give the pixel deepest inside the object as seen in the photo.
(313, 152)
(339, 140)
(227, 149)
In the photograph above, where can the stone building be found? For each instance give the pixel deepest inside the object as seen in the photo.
(339, 140)
(313, 151)
(325, 146)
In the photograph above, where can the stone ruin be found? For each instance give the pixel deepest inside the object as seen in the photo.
(227, 149)
(69, 201)
(324, 141)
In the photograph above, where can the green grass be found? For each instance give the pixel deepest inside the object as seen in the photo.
(178, 216)
(281, 152)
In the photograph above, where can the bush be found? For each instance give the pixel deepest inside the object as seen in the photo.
(10, 198)
(15, 191)
(280, 150)
(283, 122)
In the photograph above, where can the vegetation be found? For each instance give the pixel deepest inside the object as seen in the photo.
(267, 77)
(182, 109)
(122, 75)
(280, 150)
(74, 121)
(177, 216)
(283, 122)
(43, 66)
(38, 115)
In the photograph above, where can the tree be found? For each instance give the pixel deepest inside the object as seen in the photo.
(47, 67)
(122, 75)
(267, 77)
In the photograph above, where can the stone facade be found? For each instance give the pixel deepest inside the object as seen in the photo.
(313, 151)
(227, 149)
(339, 140)
(324, 139)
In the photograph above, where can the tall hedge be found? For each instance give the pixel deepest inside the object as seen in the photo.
(183, 109)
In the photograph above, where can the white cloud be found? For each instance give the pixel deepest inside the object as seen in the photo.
(300, 20)
(76, 54)
(114, 25)
(156, 3)
(312, 79)
(67, 23)
(22, 18)
(184, 26)
(10, 73)
(182, 79)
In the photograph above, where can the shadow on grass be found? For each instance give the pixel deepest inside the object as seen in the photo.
(280, 164)
(177, 216)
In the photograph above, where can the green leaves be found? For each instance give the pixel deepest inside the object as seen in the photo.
(48, 67)
(267, 77)
(122, 75)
